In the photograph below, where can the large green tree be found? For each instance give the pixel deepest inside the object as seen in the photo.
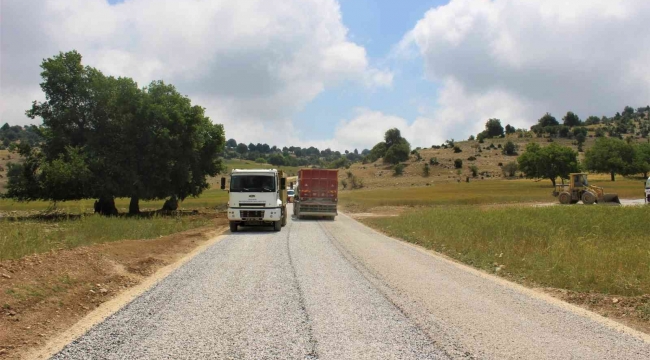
(548, 162)
(571, 119)
(397, 148)
(104, 138)
(610, 155)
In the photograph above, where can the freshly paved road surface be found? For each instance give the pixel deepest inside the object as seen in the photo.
(338, 290)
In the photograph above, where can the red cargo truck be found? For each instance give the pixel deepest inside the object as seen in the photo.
(317, 193)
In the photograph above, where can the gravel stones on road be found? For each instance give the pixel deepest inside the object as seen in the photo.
(339, 290)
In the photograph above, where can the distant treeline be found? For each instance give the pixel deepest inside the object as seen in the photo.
(30, 134)
(292, 155)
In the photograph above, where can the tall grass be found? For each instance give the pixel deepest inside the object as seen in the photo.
(20, 238)
(477, 192)
(581, 248)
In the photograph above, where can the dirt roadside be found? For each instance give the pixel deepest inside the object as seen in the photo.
(43, 295)
(622, 309)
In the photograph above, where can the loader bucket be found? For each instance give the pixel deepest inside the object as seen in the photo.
(610, 198)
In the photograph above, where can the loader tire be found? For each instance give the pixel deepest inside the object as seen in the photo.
(277, 225)
(565, 198)
(588, 198)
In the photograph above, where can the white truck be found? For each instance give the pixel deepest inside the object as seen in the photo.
(257, 197)
(647, 191)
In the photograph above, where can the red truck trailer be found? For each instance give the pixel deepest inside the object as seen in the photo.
(317, 193)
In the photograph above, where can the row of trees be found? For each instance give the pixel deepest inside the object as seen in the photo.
(291, 156)
(572, 127)
(608, 155)
(104, 137)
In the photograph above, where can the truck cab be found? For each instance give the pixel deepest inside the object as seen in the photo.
(647, 191)
(256, 197)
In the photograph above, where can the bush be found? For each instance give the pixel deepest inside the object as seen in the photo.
(349, 174)
(471, 158)
(433, 161)
(398, 169)
(474, 170)
(510, 149)
(426, 170)
(356, 183)
(457, 149)
(458, 163)
(398, 152)
(260, 160)
(344, 183)
(510, 169)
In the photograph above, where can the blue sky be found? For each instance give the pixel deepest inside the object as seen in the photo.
(327, 73)
(378, 26)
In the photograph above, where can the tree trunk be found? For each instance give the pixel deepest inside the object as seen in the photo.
(553, 181)
(645, 174)
(106, 206)
(134, 205)
(613, 176)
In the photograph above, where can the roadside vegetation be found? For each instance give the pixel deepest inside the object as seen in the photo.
(587, 249)
(26, 237)
(209, 199)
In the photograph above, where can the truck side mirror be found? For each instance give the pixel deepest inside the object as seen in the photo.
(223, 183)
(283, 183)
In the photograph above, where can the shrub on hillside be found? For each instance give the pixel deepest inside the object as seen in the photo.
(510, 169)
(510, 149)
(458, 163)
(426, 170)
(398, 170)
(457, 149)
(433, 161)
(471, 158)
(474, 170)
(356, 183)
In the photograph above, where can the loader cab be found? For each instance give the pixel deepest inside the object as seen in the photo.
(579, 180)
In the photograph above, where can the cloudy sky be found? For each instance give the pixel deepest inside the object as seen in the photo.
(340, 73)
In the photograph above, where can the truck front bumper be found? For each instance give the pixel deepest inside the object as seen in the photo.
(265, 215)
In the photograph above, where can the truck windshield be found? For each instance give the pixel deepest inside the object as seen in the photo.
(252, 183)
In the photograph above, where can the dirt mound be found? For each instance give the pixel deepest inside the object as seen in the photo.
(44, 294)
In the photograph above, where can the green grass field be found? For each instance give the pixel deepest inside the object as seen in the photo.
(20, 238)
(478, 193)
(583, 248)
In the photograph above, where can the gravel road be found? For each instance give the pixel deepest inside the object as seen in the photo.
(339, 290)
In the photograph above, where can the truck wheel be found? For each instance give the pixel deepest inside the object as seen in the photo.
(233, 226)
(284, 217)
(565, 198)
(588, 198)
(277, 225)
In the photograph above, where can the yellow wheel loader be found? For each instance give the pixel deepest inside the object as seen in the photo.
(579, 189)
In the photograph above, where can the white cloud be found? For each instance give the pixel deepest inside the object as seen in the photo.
(248, 62)
(517, 59)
